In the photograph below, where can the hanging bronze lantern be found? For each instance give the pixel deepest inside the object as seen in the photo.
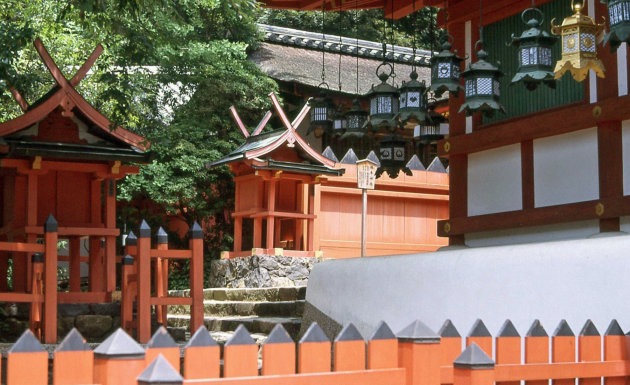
(393, 153)
(429, 131)
(322, 108)
(413, 102)
(534, 47)
(482, 86)
(383, 102)
(580, 34)
(619, 19)
(339, 122)
(445, 70)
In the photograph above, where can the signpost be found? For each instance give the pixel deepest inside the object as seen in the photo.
(366, 176)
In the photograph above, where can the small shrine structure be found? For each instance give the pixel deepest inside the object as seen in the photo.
(275, 174)
(59, 162)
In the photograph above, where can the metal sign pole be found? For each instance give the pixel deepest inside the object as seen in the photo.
(366, 175)
(363, 222)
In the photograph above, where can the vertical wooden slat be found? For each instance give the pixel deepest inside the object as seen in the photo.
(271, 207)
(480, 335)
(314, 353)
(37, 288)
(614, 349)
(349, 350)
(419, 354)
(74, 252)
(73, 361)
(109, 263)
(50, 281)
(240, 355)
(96, 265)
(589, 349)
(196, 277)
(536, 348)
(144, 284)
(278, 353)
(382, 348)
(27, 361)
(450, 343)
(508, 348)
(202, 356)
(127, 294)
(563, 348)
(161, 286)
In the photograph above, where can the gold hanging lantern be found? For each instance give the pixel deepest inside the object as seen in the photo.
(580, 35)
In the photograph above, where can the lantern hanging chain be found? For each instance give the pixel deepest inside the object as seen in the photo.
(323, 47)
(340, 43)
(384, 34)
(413, 38)
(356, 33)
(481, 23)
(391, 21)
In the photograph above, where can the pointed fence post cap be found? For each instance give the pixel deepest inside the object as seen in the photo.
(349, 158)
(127, 260)
(241, 337)
(73, 342)
(536, 330)
(145, 230)
(119, 345)
(51, 225)
(448, 330)
(195, 231)
(508, 330)
(201, 338)
(330, 154)
(479, 329)
(418, 332)
(563, 330)
(372, 156)
(27, 343)
(314, 333)
(349, 333)
(383, 332)
(160, 371)
(37, 258)
(473, 358)
(589, 329)
(161, 339)
(131, 239)
(278, 335)
(614, 329)
(415, 164)
(436, 166)
(162, 237)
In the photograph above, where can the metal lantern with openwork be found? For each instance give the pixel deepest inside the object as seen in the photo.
(413, 102)
(393, 155)
(580, 35)
(534, 52)
(339, 122)
(322, 109)
(355, 120)
(482, 86)
(619, 20)
(383, 102)
(429, 130)
(445, 70)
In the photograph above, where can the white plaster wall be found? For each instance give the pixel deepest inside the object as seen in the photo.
(573, 280)
(625, 143)
(565, 168)
(570, 230)
(494, 180)
(622, 69)
(624, 224)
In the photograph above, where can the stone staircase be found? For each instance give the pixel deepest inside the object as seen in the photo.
(259, 309)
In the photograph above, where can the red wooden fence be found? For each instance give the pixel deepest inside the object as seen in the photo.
(416, 356)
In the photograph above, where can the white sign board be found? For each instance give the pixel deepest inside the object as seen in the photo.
(366, 174)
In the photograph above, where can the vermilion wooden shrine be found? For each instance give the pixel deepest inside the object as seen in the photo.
(60, 160)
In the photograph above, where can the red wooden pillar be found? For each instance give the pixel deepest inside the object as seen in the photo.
(563, 349)
(589, 349)
(109, 270)
(480, 335)
(349, 350)
(74, 253)
(127, 295)
(196, 277)
(162, 343)
(144, 283)
(31, 218)
(419, 354)
(73, 361)
(27, 361)
(161, 276)
(260, 190)
(310, 236)
(614, 349)
(20, 285)
(118, 360)
(50, 281)
(240, 355)
(37, 288)
(314, 354)
(271, 207)
(96, 265)
(316, 203)
(508, 348)
(536, 348)
(238, 234)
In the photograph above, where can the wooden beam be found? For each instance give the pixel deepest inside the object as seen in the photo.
(239, 122)
(76, 79)
(261, 125)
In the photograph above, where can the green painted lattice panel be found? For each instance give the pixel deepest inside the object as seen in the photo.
(516, 99)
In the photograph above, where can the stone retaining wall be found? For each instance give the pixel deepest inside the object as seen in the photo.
(261, 271)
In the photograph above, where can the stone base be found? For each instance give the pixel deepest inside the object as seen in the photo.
(261, 271)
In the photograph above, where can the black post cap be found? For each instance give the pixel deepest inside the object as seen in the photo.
(51, 225)
(127, 260)
(195, 231)
(448, 330)
(131, 239)
(563, 330)
(37, 258)
(162, 237)
(145, 230)
(536, 330)
(508, 330)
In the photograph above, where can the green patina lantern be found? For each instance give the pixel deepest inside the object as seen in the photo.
(429, 131)
(413, 102)
(322, 113)
(445, 70)
(534, 47)
(482, 86)
(393, 154)
(339, 122)
(383, 102)
(619, 20)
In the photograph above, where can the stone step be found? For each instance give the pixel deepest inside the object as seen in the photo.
(270, 294)
(245, 308)
(256, 325)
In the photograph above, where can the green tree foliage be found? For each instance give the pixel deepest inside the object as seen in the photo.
(170, 71)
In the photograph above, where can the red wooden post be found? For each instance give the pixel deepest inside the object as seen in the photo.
(240, 355)
(563, 348)
(450, 343)
(73, 361)
(27, 361)
(196, 277)
(473, 367)
(4, 270)
(96, 265)
(127, 294)
(589, 349)
(160, 285)
(202, 356)
(162, 343)
(349, 350)
(50, 281)
(382, 349)
(131, 244)
(419, 354)
(37, 288)
(271, 207)
(144, 284)
(238, 234)
(614, 349)
(314, 351)
(508, 348)
(161, 372)
(109, 265)
(118, 360)
(536, 348)
(278, 353)
(74, 251)
(480, 335)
